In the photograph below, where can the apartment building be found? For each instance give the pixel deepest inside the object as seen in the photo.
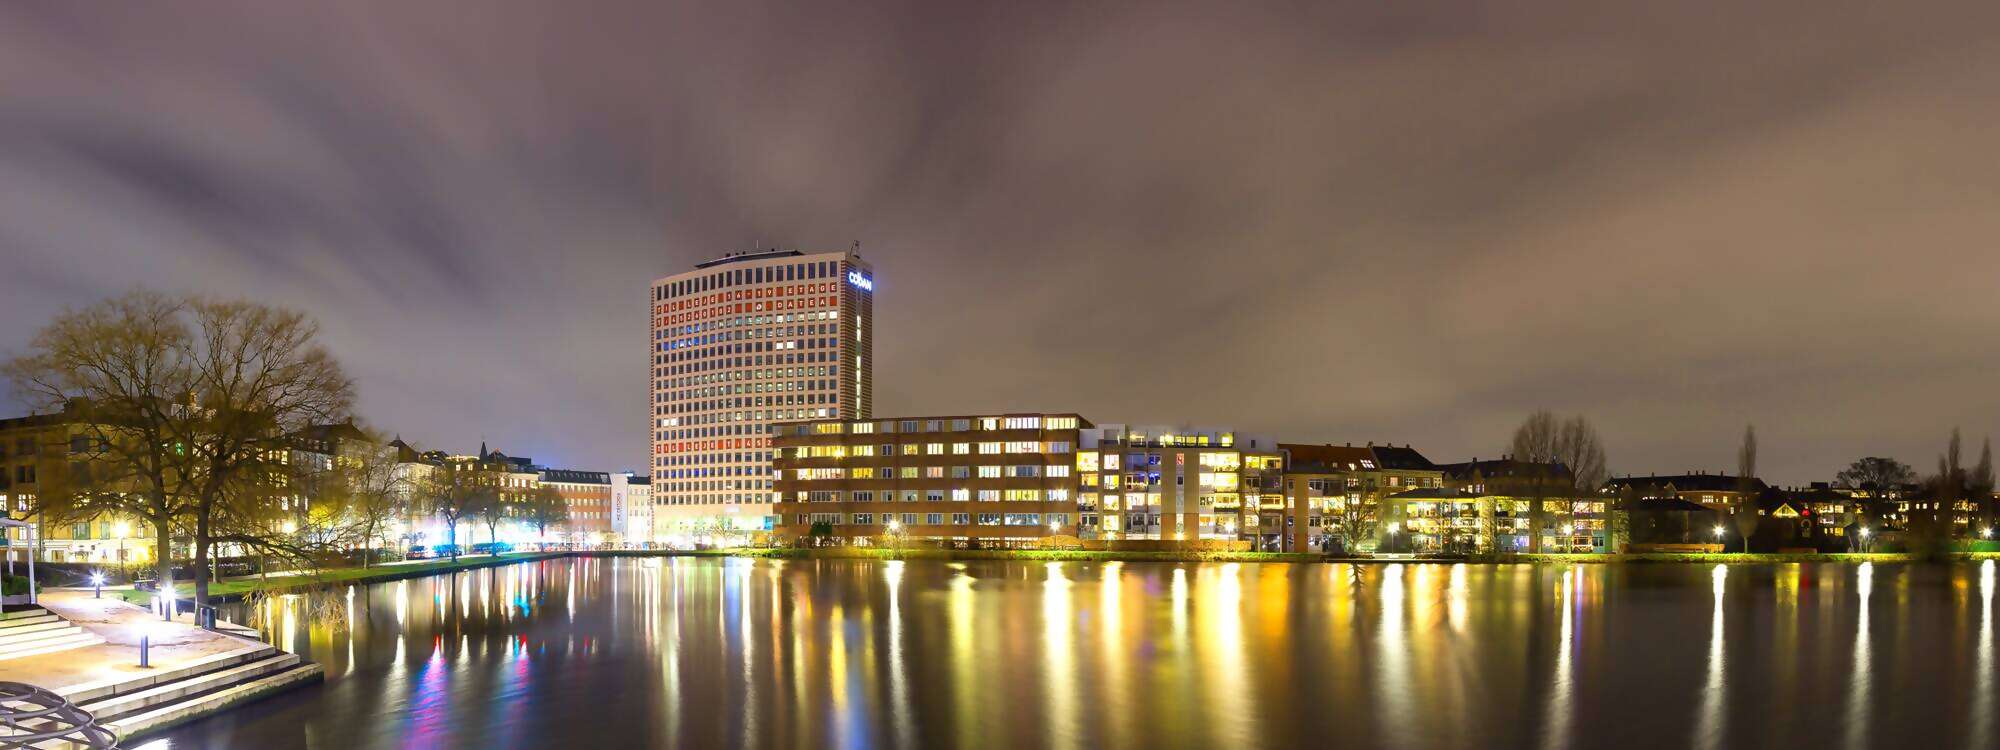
(1334, 493)
(586, 498)
(994, 480)
(1167, 483)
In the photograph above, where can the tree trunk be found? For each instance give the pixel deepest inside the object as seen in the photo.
(165, 554)
(202, 546)
(1536, 521)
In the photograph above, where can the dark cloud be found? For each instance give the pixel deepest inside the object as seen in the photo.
(1329, 221)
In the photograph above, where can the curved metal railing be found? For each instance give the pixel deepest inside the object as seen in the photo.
(36, 717)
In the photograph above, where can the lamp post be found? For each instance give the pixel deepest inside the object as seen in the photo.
(97, 584)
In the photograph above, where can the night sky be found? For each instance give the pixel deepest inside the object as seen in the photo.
(1330, 221)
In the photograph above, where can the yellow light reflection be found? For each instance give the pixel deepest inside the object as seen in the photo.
(1855, 731)
(1708, 723)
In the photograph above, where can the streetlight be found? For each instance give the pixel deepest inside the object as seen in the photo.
(97, 583)
(1986, 533)
(167, 601)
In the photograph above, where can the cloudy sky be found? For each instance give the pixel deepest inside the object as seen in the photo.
(1328, 221)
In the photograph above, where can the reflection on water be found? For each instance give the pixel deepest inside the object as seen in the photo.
(856, 654)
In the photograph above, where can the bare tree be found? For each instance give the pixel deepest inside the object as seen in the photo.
(1534, 444)
(545, 508)
(1745, 512)
(1931, 516)
(119, 374)
(1882, 478)
(1579, 451)
(372, 493)
(1979, 486)
(453, 493)
(261, 377)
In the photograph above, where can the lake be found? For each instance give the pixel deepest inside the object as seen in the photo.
(706, 652)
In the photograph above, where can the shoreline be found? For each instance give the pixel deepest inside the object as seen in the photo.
(236, 589)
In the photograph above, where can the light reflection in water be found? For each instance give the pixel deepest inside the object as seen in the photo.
(1709, 722)
(1855, 728)
(994, 654)
(1556, 729)
(1981, 734)
(1058, 627)
(1394, 653)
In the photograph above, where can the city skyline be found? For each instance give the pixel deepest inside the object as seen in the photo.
(1361, 262)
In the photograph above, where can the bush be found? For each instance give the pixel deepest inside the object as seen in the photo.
(14, 586)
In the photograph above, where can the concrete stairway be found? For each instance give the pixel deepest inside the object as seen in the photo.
(33, 631)
(158, 701)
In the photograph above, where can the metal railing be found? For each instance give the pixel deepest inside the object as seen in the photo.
(31, 716)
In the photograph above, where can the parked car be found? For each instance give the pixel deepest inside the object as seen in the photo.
(491, 548)
(355, 556)
(420, 552)
(446, 550)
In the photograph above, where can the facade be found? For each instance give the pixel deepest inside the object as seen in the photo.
(740, 344)
(1165, 483)
(587, 498)
(1333, 493)
(632, 508)
(35, 457)
(1005, 479)
(1449, 519)
(1569, 524)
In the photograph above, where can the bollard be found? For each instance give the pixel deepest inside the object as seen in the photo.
(145, 646)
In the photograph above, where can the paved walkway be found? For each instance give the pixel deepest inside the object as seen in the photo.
(120, 624)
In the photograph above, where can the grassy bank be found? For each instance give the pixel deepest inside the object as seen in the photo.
(235, 588)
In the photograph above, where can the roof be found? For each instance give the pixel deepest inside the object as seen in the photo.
(1502, 468)
(1405, 457)
(1303, 458)
(572, 476)
(1684, 482)
(749, 256)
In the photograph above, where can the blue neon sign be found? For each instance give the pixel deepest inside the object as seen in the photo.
(865, 283)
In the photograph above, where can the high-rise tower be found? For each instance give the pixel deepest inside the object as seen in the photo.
(739, 343)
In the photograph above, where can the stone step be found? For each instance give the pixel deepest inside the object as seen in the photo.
(53, 623)
(118, 706)
(93, 691)
(62, 641)
(34, 611)
(181, 685)
(46, 616)
(177, 712)
(36, 635)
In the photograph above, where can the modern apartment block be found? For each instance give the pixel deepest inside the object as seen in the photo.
(742, 343)
(1004, 479)
(1178, 483)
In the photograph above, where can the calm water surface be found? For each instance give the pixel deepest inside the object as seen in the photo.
(858, 654)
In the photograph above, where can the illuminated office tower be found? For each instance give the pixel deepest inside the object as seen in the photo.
(740, 343)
